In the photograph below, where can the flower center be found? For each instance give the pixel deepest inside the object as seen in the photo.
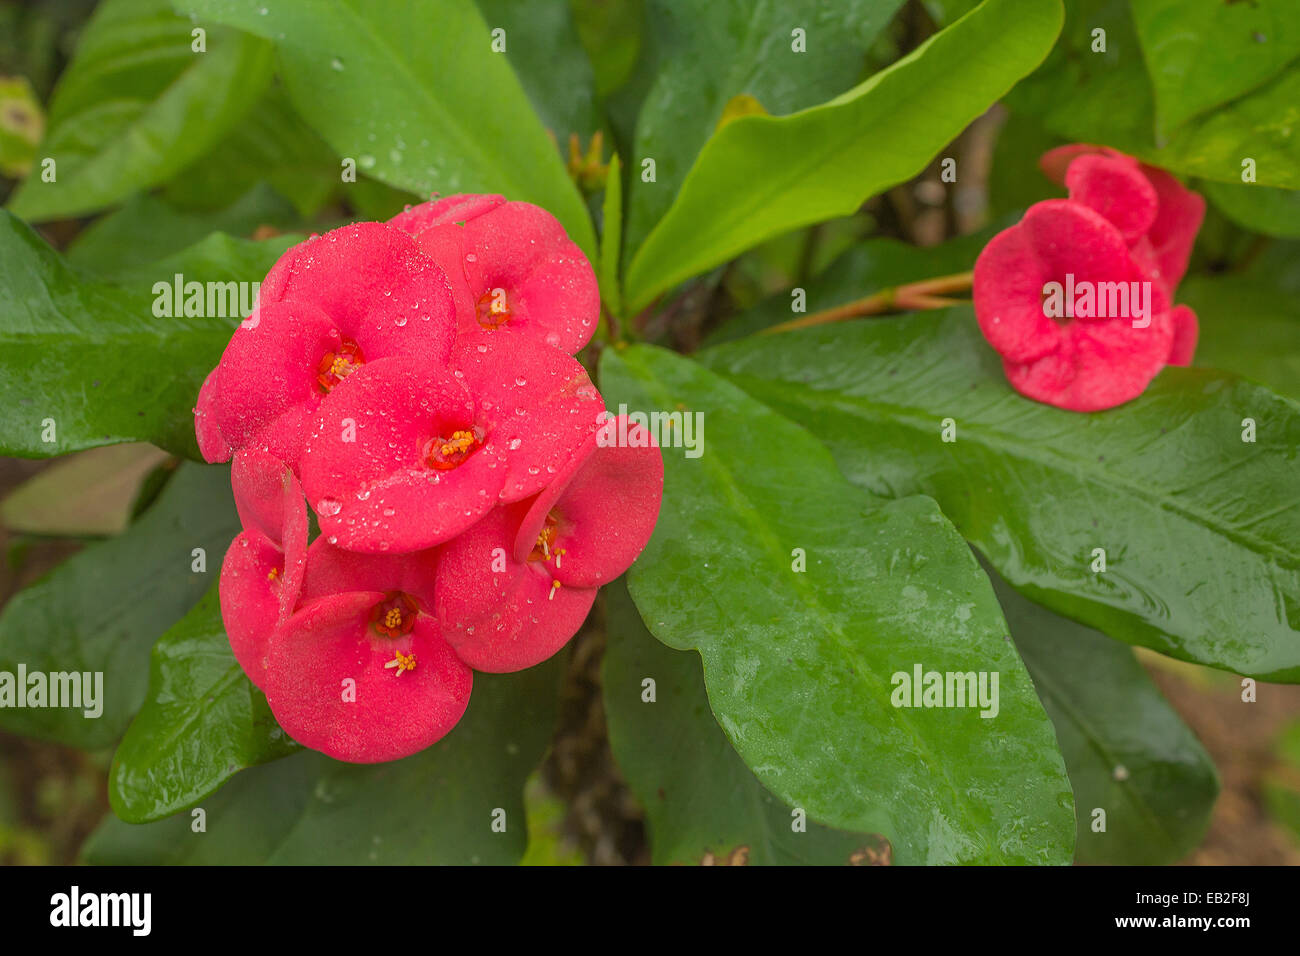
(493, 309)
(444, 454)
(394, 616)
(545, 549)
(335, 366)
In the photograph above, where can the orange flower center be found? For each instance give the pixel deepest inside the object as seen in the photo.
(335, 366)
(493, 309)
(444, 454)
(394, 616)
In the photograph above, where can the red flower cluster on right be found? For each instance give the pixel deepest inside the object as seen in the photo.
(1078, 296)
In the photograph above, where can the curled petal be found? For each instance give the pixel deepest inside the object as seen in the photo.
(503, 615)
(212, 444)
(449, 210)
(1177, 221)
(598, 515)
(1186, 332)
(337, 686)
(1116, 188)
(256, 591)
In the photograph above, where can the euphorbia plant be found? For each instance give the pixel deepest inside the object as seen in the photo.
(879, 610)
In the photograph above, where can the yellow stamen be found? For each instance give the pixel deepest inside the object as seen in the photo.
(403, 663)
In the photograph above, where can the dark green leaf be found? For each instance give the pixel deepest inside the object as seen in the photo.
(102, 609)
(701, 799)
(412, 90)
(202, 722)
(1274, 212)
(91, 361)
(760, 176)
(1199, 528)
(1248, 326)
(434, 807)
(1126, 750)
(138, 104)
(801, 665)
(149, 228)
(544, 49)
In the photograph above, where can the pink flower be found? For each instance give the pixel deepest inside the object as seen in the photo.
(327, 307)
(1122, 240)
(512, 268)
(262, 574)
(513, 589)
(409, 455)
(361, 672)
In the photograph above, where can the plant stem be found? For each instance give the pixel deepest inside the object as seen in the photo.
(911, 296)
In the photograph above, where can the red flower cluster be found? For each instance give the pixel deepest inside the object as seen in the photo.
(414, 382)
(1078, 296)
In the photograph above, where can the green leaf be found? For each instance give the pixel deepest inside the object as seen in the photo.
(1195, 568)
(1274, 212)
(611, 236)
(435, 807)
(801, 665)
(1202, 55)
(91, 360)
(137, 104)
(102, 609)
(700, 54)
(1281, 784)
(149, 228)
(272, 145)
(202, 722)
(701, 799)
(760, 176)
(1248, 326)
(542, 46)
(85, 495)
(1126, 750)
(412, 90)
(1107, 98)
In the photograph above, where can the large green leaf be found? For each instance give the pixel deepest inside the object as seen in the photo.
(102, 609)
(434, 807)
(701, 799)
(1127, 751)
(94, 359)
(1202, 55)
(701, 53)
(801, 665)
(137, 105)
(1200, 529)
(1107, 98)
(202, 722)
(760, 176)
(412, 90)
